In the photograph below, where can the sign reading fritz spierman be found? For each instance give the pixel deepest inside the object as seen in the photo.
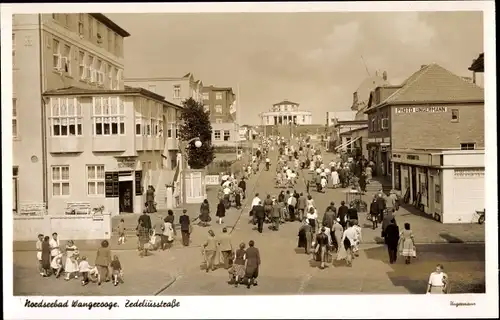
(421, 110)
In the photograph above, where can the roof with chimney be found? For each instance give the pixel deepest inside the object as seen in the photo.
(433, 84)
(478, 64)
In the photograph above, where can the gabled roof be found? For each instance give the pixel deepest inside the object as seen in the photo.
(110, 24)
(433, 84)
(285, 102)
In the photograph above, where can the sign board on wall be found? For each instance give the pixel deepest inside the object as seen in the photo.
(212, 180)
(400, 110)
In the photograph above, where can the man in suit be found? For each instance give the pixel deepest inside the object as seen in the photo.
(225, 247)
(146, 220)
(342, 214)
(329, 217)
(252, 265)
(185, 223)
(381, 205)
(260, 215)
(352, 213)
(391, 240)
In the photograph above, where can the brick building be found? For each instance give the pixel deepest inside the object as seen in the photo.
(220, 102)
(429, 128)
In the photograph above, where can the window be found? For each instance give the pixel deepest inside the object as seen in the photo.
(100, 72)
(82, 68)
(385, 123)
(54, 16)
(66, 117)
(217, 135)
(66, 19)
(108, 116)
(177, 91)
(111, 77)
(99, 33)
(455, 115)
(218, 108)
(66, 60)
(56, 55)
(117, 49)
(206, 108)
(90, 68)
(95, 180)
(111, 43)
(60, 181)
(91, 28)
(14, 118)
(140, 116)
(13, 49)
(467, 146)
(81, 16)
(218, 95)
(119, 46)
(218, 120)
(118, 81)
(227, 135)
(206, 96)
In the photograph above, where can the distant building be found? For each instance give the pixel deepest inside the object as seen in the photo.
(220, 102)
(477, 68)
(284, 113)
(174, 89)
(332, 117)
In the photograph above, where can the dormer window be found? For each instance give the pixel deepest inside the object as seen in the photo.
(99, 38)
(355, 97)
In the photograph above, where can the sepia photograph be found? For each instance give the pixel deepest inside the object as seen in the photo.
(178, 154)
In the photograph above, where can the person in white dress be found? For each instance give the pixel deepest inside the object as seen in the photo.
(71, 265)
(438, 281)
(323, 183)
(335, 179)
(309, 203)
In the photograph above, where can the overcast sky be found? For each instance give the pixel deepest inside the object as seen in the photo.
(313, 59)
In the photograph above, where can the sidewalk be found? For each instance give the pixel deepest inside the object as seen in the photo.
(198, 236)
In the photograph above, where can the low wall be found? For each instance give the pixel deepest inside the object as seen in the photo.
(88, 227)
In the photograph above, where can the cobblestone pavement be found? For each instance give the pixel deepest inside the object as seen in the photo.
(285, 269)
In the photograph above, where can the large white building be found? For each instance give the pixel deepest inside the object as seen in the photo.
(80, 135)
(284, 113)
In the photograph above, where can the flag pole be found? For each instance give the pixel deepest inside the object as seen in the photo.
(237, 118)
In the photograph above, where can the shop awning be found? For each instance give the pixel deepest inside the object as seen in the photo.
(347, 143)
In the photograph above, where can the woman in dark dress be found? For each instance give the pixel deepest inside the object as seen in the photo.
(221, 211)
(205, 213)
(362, 182)
(238, 268)
(46, 256)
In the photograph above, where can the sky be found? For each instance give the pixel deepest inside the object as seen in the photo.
(315, 59)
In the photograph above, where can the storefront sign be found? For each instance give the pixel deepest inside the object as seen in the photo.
(212, 180)
(421, 110)
(138, 183)
(469, 173)
(126, 163)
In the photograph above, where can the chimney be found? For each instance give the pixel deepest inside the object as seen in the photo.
(384, 75)
(423, 66)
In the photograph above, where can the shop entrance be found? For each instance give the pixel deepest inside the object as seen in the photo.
(126, 197)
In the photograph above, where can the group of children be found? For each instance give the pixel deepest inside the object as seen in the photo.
(54, 261)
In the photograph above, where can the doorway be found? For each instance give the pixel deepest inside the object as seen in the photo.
(431, 195)
(126, 196)
(413, 183)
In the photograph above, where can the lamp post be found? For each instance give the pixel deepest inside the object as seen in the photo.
(183, 149)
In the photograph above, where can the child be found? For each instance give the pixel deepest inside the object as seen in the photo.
(93, 274)
(116, 270)
(57, 265)
(121, 231)
(84, 269)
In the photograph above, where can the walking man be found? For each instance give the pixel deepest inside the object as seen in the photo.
(259, 215)
(226, 248)
(210, 250)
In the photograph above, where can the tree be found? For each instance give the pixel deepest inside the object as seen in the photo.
(196, 123)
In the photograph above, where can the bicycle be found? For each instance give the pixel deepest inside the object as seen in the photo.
(480, 214)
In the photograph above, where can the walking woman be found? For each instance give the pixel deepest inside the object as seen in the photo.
(46, 256)
(407, 244)
(221, 211)
(205, 213)
(102, 262)
(238, 269)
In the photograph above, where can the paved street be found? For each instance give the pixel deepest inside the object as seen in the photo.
(285, 269)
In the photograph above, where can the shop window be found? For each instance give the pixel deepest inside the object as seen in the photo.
(467, 146)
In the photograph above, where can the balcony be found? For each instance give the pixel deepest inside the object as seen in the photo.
(67, 144)
(140, 143)
(158, 142)
(172, 144)
(113, 143)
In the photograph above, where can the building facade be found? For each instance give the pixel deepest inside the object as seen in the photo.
(52, 51)
(477, 68)
(221, 103)
(174, 89)
(433, 111)
(284, 113)
(106, 146)
(225, 134)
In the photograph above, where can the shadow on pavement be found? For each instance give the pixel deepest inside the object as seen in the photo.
(464, 264)
(414, 211)
(449, 238)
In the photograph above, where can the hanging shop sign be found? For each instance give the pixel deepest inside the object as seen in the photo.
(400, 110)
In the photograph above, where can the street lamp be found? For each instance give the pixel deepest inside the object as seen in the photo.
(183, 149)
